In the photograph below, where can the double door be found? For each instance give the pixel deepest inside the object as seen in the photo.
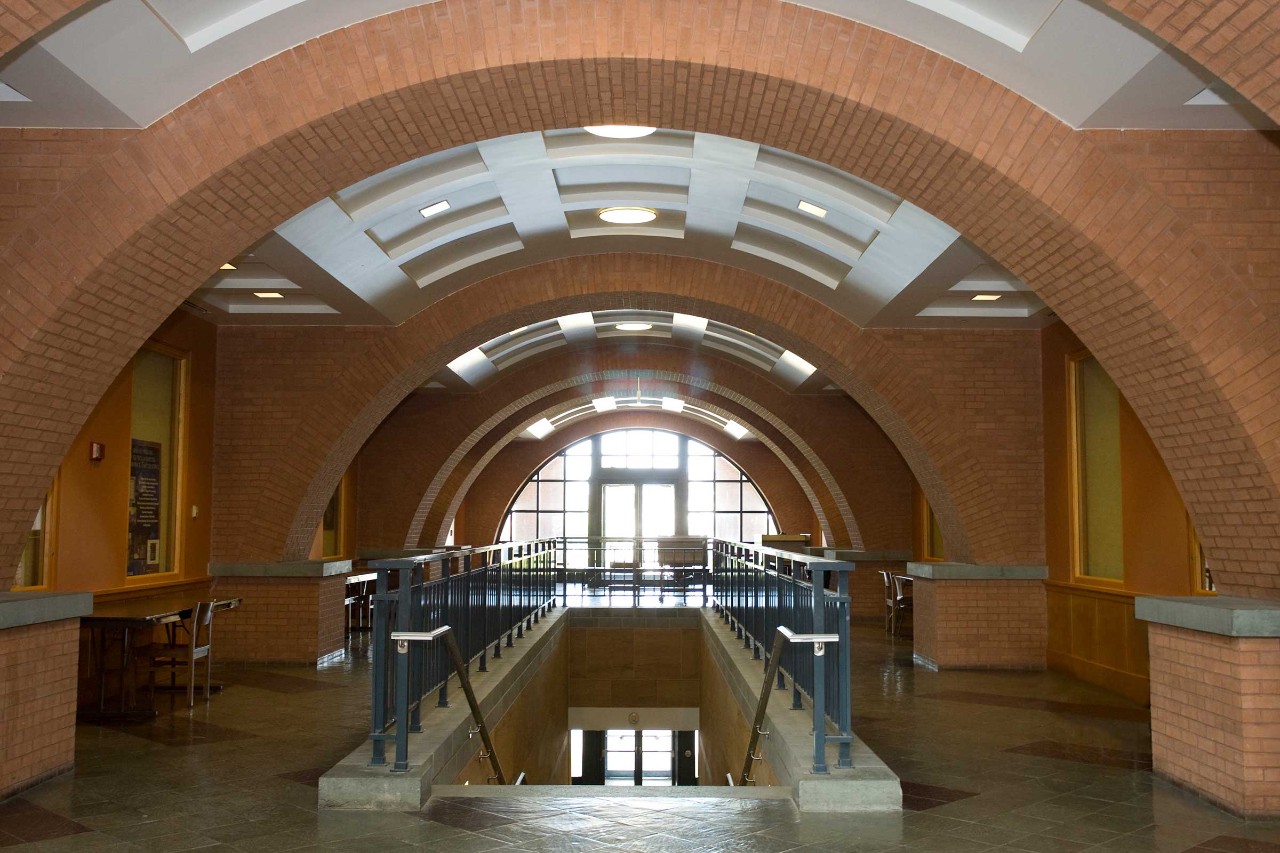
(633, 516)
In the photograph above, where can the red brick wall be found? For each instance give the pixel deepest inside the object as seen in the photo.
(1215, 716)
(38, 665)
(292, 620)
(980, 624)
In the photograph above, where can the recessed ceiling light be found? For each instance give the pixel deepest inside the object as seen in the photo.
(628, 215)
(270, 294)
(633, 327)
(671, 404)
(227, 267)
(605, 404)
(735, 429)
(432, 209)
(810, 207)
(619, 131)
(541, 428)
(985, 297)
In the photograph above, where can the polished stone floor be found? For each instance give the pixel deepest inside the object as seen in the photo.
(990, 761)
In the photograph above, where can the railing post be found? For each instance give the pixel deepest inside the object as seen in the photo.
(446, 571)
(819, 676)
(845, 709)
(378, 694)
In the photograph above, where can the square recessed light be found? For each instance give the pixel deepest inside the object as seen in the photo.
(432, 209)
(541, 428)
(227, 267)
(605, 404)
(269, 294)
(985, 297)
(735, 429)
(810, 207)
(671, 404)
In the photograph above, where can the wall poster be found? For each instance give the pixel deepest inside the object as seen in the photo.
(144, 507)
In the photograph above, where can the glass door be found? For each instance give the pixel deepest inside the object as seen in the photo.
(619, 525)
(657, 513)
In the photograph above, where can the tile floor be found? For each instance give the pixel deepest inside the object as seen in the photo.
(990, 761)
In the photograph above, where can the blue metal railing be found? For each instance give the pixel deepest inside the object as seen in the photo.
(758, 590)
(491, 595)
(488, 595)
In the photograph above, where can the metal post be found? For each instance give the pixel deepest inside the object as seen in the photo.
(846, 672)
(819, 677)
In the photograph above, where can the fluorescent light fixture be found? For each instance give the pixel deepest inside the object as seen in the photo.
(619, 131)
(227, 267)
(468, 361)
(633, 327)
(268, 294)
(671, 404)
(541, 428)
(628, 215)
(434, 208)
(735, 429)
(605, 404)
(985, 297)
(797, 364)
(810, 207)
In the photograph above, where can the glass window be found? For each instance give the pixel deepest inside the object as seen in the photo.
(153, 462)
(1098, 497)
(718, 498)
(31, 565)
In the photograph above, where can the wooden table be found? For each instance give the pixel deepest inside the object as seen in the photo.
(125, 616)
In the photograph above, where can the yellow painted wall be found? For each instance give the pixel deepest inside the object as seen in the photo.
(1092, 630)
(90, 534)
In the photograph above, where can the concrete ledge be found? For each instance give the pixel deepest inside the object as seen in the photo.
(19, 609)
(1224, 615)
(296, 569)
(972, 572)
(850, 556)
(439, 751)
(641, 617)
(396, 553)
(869, 786)
(687, 792)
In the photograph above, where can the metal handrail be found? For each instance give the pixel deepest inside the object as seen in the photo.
(489, 595)
(759, 590)
(404, 638)
(781, 639)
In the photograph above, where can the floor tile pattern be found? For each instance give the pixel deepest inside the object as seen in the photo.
(1033, 762)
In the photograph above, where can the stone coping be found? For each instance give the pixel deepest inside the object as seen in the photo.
(19, 609)
(397, 553)
(973, 572)
(295, 569)
(851, 556)
(868, 786)
(679, 792)
(1228, 616)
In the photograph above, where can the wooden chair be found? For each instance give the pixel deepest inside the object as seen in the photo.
(176, 653)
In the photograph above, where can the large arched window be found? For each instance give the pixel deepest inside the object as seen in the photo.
(638, 482)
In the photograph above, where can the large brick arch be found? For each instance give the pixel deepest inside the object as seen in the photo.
(494, 488)
(100, 265)
(445, 494)
(1231, 38)
(338, 386)
(851, 474)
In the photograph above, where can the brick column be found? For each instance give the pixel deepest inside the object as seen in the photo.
(979, 617)
(39, 655)
(1215, 698)
(289, 612)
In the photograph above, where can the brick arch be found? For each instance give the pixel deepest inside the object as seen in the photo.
(1228, 37)
(103, 262)
(276, 481)
(452, 481)
(514, 464)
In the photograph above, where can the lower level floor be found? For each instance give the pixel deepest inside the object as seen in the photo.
(989, 761)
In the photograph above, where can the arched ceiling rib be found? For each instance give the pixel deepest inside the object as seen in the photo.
(126, 63)
(385, 248)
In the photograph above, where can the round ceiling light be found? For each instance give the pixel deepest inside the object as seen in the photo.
(619, 131)
(633, 327)
(628, 215)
